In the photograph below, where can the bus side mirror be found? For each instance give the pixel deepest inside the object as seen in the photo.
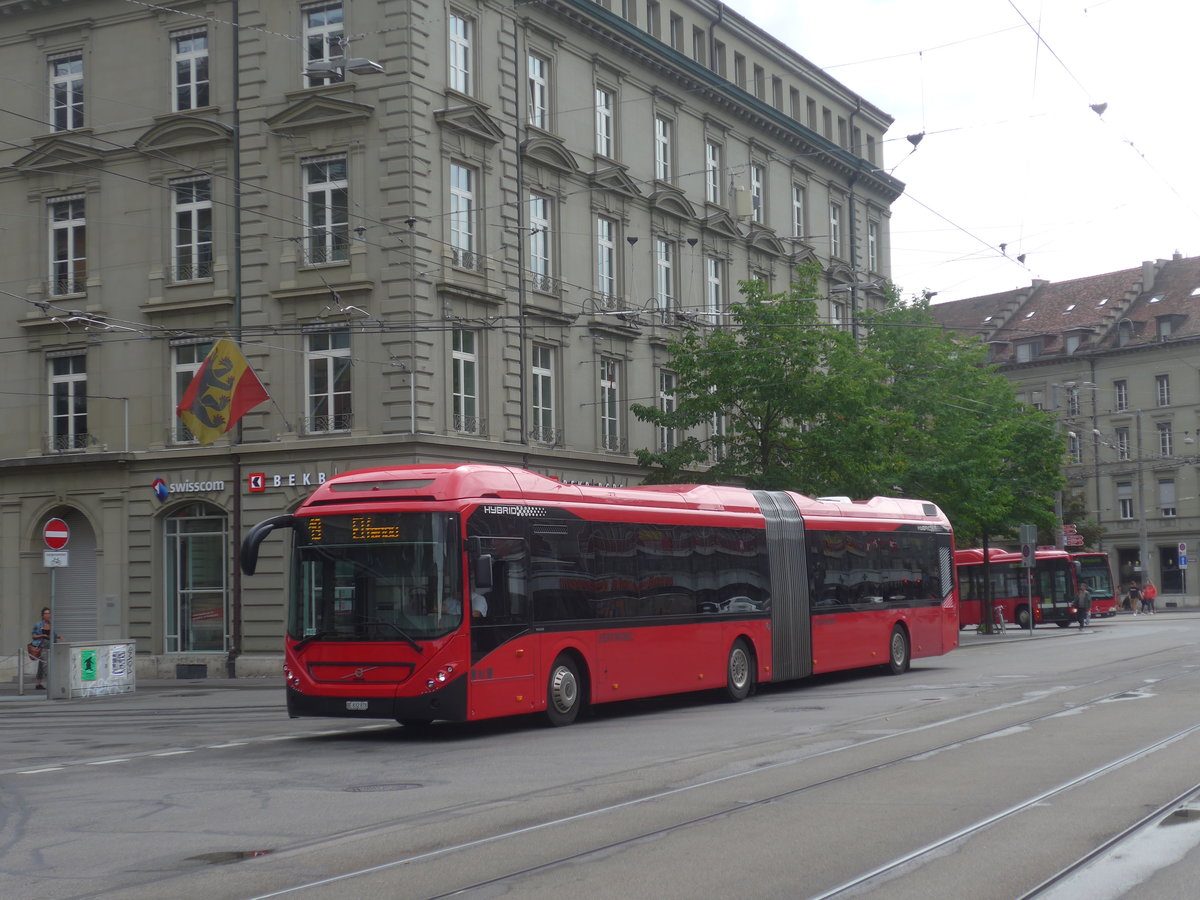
(483, 570)
(255, 536)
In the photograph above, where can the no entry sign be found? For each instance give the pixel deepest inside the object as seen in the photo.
(56, 533)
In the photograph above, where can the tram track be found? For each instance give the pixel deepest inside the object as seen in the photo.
(742, 807)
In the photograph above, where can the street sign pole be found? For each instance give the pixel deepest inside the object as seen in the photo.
(56, 533)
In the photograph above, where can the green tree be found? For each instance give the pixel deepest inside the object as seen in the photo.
(767, 376)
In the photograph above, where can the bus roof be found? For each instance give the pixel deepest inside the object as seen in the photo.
(443, 482)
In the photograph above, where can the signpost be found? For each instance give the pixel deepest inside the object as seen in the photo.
(56, 533)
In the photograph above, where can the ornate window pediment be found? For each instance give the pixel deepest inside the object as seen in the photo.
(316, 110)
(723, 225)
(59, 152)
(767, 242)
(615, 179)
(470, 120)
(671, 200)
(550, 151)
(177, 132)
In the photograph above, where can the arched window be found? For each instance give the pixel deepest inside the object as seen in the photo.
(197, 614)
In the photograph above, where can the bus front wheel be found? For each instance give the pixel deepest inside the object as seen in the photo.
(898, 651)
(562, 693)
(739, 673)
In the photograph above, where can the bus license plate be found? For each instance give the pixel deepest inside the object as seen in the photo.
(356, 705)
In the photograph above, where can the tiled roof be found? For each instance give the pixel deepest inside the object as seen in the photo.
(1122, 308)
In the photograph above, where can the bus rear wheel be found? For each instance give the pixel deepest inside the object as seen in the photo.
(898, 651)
(562, 692)
(739, 673)
(1023, 616)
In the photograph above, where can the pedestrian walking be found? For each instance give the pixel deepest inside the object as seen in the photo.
(40, 644)
(1133, 600)
(1083, 607)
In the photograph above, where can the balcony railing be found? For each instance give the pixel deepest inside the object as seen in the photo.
(466, 259)
(614, 443)
(540, 434)
(68, 443)
(65, 285)
(328, 424)
(470, 425)
(544, 284)
(201, 271)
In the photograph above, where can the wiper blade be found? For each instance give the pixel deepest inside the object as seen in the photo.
(400, 631)
(313, 637)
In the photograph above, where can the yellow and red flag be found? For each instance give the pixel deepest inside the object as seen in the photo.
(224, 389)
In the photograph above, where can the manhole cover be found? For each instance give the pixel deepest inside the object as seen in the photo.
(373, 788)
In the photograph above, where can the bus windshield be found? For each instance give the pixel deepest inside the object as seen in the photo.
(1094, 573)
(377, 577)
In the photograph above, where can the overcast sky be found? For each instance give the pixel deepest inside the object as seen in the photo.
(1012, 153)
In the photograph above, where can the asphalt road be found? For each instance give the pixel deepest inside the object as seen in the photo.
(983, 773)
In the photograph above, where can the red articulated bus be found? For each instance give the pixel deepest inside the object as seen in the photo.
(1096, 575)
(1053, 584)
(463, 592)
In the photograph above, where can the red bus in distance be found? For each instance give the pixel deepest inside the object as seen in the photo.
(464, 592)
(1053, 583)
(1096, 575)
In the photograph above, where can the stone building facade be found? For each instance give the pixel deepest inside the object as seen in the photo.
(438, 231)
(1116, 358)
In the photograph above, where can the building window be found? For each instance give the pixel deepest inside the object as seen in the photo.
(835, 229)
(1074, 449)
(539, 92)
(739, 70)
(327, 212)
(653, 18)
(1037, 400)
(189, 55)
(329, 399)
(541, 378)
(797, 211)
(191, 229)
(66, 91)
(461, 35)
(606, 261)
(837, 313)
(1120, 395)
(714, 300)
(871, 149)
(872, 245)
(196, 543)
(760, 83)
(758, 178)
(465, 386)
(712, 172)
(323, 33)
(699, 43)
(777, 93)
(666, 403)
(540, 243)
(185, 363)
(68, 246)
(462, 216)
(1027, 351)
(664, 274)
(68, 402)
(810, 107)
(1162, 389)
(605, 110)
(718, 59)
(1125, 500)
(610, 392)
(1165, 444)
(1073, 401)
(1166, 499)
(676, 31)
(662, 148)
(1122, 442)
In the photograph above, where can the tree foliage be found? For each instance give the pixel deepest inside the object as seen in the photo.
(907, 409)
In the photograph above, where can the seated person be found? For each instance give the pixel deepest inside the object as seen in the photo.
(479, 604)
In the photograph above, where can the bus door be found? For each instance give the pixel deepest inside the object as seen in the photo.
(1056, 589)
(504, 657)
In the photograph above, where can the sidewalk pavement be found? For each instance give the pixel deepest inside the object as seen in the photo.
(271, 689)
